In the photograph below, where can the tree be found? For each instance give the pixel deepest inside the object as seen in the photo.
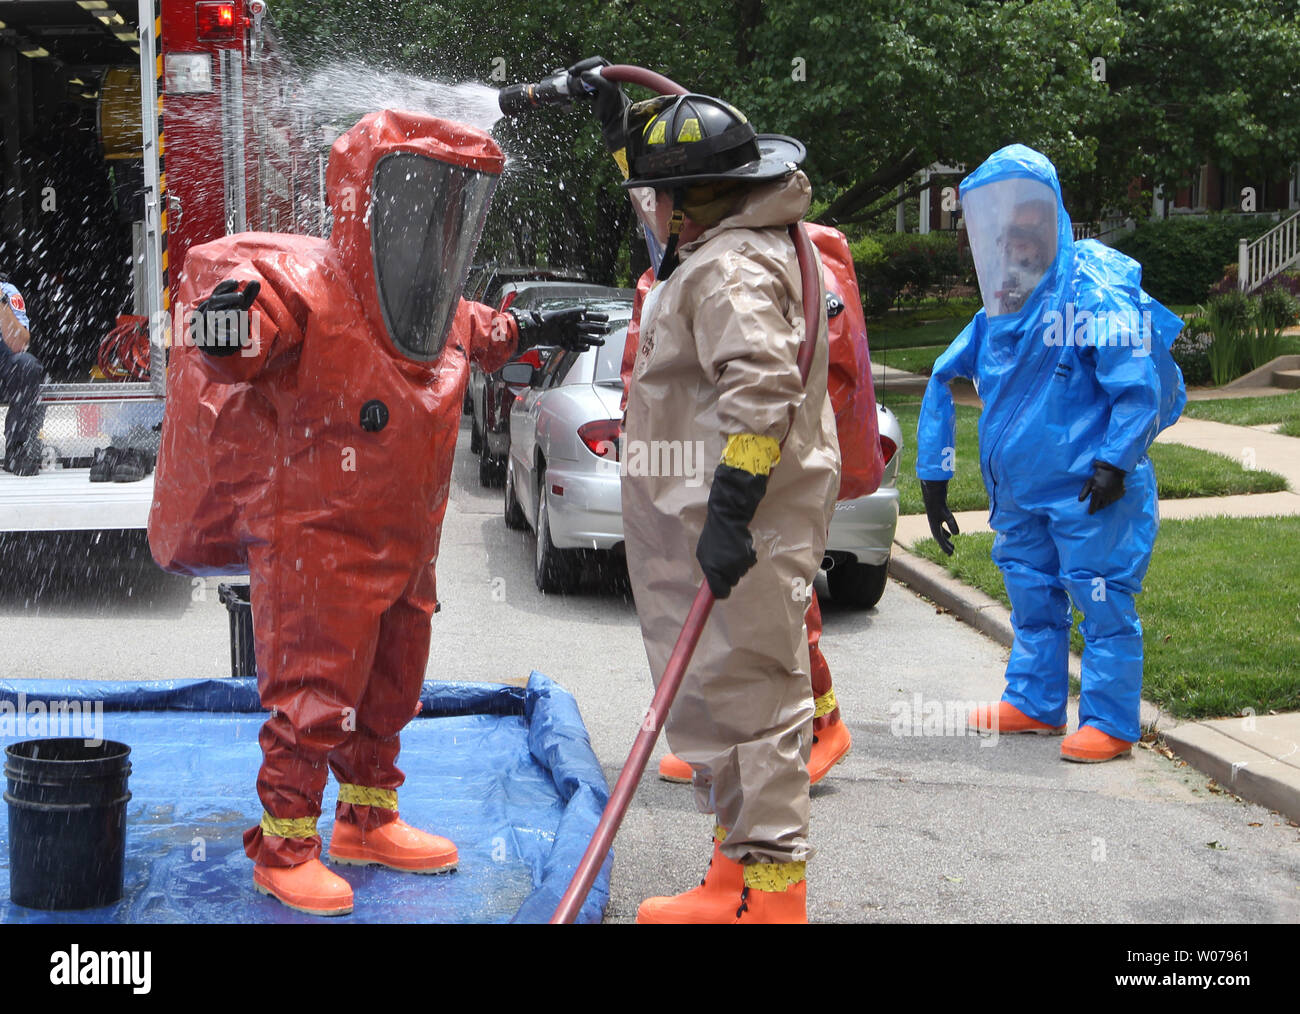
(1194, 82)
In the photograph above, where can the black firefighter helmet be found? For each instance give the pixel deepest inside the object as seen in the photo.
(676, 141)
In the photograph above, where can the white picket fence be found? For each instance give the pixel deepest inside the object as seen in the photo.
(1271, 254)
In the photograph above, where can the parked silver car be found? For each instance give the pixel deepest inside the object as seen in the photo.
(562, 477)
(862, 530)
(562, 473)
(485, 396)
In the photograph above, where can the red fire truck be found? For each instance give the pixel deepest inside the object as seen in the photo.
(131, 130)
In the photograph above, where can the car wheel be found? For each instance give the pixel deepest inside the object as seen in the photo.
(514, 510)
(555, 570)
(489, 470)
(475, 438)
(467, 407)
(857, 585)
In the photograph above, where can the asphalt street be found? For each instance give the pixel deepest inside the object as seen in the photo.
(920, 823)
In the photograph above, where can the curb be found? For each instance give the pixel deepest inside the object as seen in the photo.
(1238, 767)
(970, 605)
(1249, 773)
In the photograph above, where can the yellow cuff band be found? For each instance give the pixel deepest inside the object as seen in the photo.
(773, 876)
(288, 827)
(752, 453)
(620, 158)
(825, 704)
(363, 795)
(719, 833)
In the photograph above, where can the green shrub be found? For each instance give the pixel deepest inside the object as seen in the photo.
(1278, 308)
(1229, 316)
(1247, 331)
(901, 268)
(1183, 257)
(1191, 350)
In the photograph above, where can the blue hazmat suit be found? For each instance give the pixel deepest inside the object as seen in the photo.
(1073, 368)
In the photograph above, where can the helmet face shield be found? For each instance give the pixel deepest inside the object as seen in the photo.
(427, 219)
(645, 204)
(1011, 225)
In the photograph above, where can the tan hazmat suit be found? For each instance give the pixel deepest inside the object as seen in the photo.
(717, 357)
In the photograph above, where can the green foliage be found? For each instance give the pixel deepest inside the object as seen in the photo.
(877, 90)
(904, 268)
(1205, 81)
(1191, 350)
(1278, 308)
(1228, 317)
(1183, 257)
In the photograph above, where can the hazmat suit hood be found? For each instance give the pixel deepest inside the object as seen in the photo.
(766, 206)
(409, 194)
(1020, 235)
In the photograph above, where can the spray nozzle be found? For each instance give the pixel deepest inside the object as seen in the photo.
(557, 90)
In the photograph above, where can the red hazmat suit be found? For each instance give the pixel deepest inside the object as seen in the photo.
(853, 398)
(318, 458)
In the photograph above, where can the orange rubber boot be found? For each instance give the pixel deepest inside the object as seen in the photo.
(830, 746)
(1006, 719)
(309, 887)
(772, 907)
(1091, 746)
(673, 769)
(396, 845)
(714, 901)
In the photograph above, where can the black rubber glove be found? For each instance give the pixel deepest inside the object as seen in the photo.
(573, 328)
(608, 100)
(726, 549)
(211, 329)
(1105, 487)
(934, 494)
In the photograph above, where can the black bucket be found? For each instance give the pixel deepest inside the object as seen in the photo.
(243, 658)
(67, 822)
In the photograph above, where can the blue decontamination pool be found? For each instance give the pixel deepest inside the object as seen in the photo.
(505, 772)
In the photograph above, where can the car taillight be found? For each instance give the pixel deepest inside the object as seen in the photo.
(215, 20)
(888, 448)
(601, 438)
(505, 303)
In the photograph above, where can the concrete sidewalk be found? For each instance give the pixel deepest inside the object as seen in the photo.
(1255, 757)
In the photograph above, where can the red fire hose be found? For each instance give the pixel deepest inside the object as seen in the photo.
(653, 723)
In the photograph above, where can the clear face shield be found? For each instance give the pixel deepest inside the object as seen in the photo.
(427, 217)
(1012, 229)
(645, 205)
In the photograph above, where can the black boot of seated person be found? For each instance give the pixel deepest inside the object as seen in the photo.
(106, 459)
(132, 466)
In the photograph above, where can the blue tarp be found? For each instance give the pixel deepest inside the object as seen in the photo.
(505, 772)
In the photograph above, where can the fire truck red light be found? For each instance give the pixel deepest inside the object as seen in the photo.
(215, 20)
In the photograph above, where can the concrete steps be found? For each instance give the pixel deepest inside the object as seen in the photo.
(1290, 379)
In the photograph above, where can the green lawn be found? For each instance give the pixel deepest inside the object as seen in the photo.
(1278, 408)
(1180, 471)
(913, 360)
(932, 324)
(1220, 612)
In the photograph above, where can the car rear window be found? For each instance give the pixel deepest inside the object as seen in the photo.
(609, 357)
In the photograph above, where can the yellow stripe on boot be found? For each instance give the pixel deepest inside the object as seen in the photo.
(364, 795)
(288, 827)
